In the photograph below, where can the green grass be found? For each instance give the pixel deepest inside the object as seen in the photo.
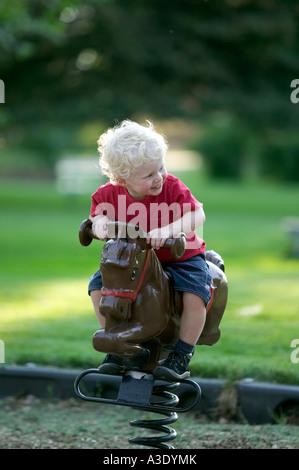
(46, 316)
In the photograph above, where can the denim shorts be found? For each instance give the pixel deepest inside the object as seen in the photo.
(191, 275)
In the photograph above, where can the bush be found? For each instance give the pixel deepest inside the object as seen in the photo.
(279, 157)
(223, 145)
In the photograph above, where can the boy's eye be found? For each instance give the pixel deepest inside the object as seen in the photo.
(151, 174)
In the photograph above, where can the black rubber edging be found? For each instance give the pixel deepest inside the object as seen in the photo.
(259, 402)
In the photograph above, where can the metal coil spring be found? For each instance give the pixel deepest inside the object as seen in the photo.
(160, 425)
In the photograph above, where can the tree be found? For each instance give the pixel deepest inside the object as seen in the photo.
(68, 62)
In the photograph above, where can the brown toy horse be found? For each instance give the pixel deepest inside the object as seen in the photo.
(141, 309)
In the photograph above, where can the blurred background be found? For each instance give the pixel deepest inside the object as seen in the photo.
(215, 78)
(223, 69)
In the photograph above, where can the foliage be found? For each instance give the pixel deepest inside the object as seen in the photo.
(231, 149)
(280, 156)
(65, 63)
(223, 143)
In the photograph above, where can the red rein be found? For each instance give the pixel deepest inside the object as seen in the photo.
(131, 295)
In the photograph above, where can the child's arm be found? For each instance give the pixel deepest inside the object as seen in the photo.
(99, 226)
(190, 221)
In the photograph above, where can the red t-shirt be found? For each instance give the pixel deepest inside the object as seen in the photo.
(151, 212)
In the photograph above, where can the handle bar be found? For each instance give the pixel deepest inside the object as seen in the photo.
(176, 245)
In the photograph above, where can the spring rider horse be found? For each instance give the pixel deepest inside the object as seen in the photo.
(143, 312)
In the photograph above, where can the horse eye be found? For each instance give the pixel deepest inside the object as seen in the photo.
(133, 276)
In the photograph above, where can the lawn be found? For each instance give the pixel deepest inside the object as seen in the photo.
(46, 315)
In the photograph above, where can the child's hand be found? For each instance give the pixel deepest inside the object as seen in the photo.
(158, 237)
(99, 227)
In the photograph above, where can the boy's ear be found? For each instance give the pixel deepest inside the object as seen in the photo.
(121, 182)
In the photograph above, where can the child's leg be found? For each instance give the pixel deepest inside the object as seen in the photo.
(193, 318)
(192, 323)
(96, 297)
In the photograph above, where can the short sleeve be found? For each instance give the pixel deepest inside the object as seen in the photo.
(184, 197)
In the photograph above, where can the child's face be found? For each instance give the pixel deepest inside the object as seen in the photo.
(147, 180)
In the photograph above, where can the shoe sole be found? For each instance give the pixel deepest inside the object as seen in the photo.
(167, 374)
(111, 369)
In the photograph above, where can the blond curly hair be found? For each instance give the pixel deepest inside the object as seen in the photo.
(127, 146)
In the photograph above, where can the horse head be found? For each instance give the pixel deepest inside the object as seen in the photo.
(124, 262)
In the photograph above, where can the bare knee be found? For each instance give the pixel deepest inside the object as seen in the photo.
(192, 301)
(95, 296)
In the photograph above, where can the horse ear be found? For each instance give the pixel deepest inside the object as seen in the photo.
(123, 230)
(143, 243)
(137, 232)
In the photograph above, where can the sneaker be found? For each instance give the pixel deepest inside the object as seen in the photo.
(116, 365)
(175, 367)
(137, 362)
(112, 365)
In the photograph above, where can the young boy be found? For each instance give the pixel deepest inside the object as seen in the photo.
(132, 157)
